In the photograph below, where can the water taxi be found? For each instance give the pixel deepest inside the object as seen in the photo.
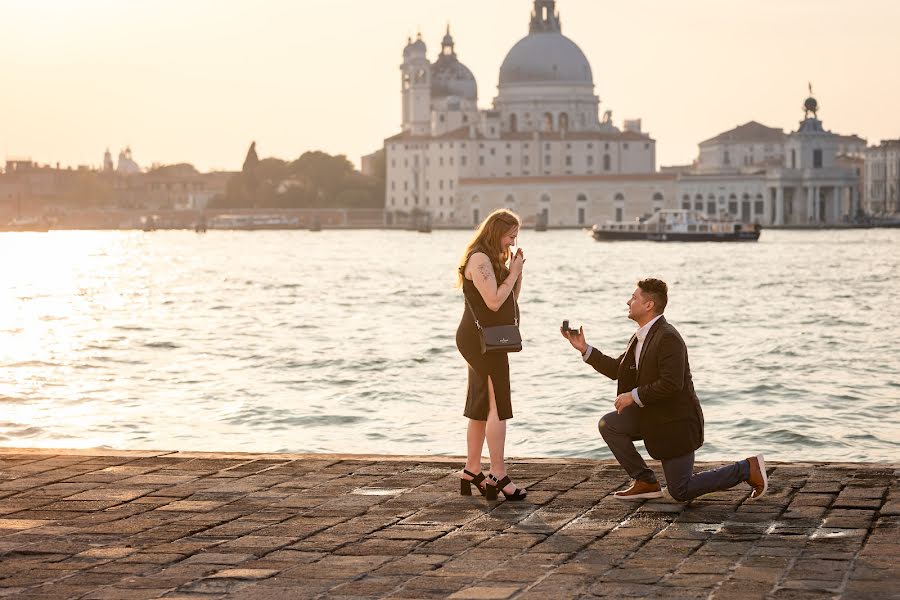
(677, 225)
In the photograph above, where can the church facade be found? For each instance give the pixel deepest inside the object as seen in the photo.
(543, 150)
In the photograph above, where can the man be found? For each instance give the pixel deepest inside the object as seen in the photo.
(656, 402)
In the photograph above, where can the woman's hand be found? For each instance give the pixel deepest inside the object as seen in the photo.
(576, 339)
(516, 264)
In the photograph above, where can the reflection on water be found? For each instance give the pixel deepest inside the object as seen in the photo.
(344, 341)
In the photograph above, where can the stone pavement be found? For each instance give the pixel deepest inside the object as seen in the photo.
(125, 525)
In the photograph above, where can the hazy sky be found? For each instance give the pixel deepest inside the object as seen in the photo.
(197, 80)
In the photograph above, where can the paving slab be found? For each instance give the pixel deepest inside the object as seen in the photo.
(97, 524)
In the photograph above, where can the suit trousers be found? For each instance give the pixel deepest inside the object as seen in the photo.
(620, 431)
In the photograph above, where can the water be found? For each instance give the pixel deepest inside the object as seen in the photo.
(344, 341)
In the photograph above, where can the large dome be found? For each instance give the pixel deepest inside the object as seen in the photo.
(546, 57)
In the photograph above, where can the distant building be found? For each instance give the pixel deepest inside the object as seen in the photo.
(760, 174)
(369, 163)
(173, 187)
(126, 165)
(541, 150)
(882, 178)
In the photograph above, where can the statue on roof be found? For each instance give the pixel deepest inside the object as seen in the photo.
(810, 105)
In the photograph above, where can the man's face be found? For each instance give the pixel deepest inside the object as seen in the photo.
(639, 306)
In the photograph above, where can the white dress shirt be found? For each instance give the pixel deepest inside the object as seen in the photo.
(641, 335)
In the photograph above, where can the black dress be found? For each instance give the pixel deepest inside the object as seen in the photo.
(494, 365)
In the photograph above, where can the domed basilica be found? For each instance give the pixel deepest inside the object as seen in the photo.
(544, 151)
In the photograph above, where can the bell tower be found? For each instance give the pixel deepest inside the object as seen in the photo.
(416, 88)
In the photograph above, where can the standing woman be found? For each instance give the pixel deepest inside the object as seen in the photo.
(491, 289)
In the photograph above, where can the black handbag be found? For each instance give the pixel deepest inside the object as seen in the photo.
(499, 338)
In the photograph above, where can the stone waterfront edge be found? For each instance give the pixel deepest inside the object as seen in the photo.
(97, 524)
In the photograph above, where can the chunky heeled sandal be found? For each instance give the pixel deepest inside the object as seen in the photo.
(491, 489)
(465, 485)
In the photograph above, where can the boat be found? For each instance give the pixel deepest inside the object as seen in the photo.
(316, 224)
(251, 222)
(678, 225)
(27, 224)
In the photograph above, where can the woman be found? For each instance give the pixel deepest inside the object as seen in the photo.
(491, 290)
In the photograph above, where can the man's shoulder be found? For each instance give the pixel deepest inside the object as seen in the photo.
(669, 330)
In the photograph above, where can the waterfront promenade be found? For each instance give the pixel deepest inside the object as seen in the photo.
(124, 525)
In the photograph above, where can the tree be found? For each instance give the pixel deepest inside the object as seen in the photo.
(248, 171)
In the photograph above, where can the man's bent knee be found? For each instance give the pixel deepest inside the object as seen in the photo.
(605, 426)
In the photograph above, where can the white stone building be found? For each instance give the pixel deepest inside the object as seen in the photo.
(761, 175)
(882, 178)
(541, 150)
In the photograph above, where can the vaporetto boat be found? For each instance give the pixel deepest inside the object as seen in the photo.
(678, 225)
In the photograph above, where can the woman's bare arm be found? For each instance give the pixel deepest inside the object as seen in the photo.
(481, 273)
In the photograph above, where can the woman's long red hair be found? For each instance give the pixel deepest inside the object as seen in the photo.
(487, 239)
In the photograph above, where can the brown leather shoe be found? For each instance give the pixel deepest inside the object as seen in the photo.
(758, 479)
(640, 490)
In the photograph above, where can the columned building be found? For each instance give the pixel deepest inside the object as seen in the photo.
(758, 174)
(882, 178)
(542, 150)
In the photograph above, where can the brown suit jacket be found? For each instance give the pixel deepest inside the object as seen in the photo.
(671, 420)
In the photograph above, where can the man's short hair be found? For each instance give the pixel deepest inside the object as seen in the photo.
(657, 291)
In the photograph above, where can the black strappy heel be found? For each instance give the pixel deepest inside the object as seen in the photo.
(491, 490)
(465, 485)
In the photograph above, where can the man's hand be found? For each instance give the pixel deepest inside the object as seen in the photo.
(623, 400)
(576, 339)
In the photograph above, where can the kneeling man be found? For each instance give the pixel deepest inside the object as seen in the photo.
(656, 402)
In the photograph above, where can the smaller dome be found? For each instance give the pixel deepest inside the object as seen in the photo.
(811, 104)
(418, 46)
(449, 77)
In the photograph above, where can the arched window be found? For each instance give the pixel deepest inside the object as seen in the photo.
(510, 201)
(513, 123)
(563, 121)
(607, 162)
(698, 202)
(793, 158)
(548, 122)
(686, 202)
(732, 204)
(581, 198)
(711, 204)
(620, 197)
(657, 202)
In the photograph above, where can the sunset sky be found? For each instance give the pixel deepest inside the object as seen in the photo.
(197, 80)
